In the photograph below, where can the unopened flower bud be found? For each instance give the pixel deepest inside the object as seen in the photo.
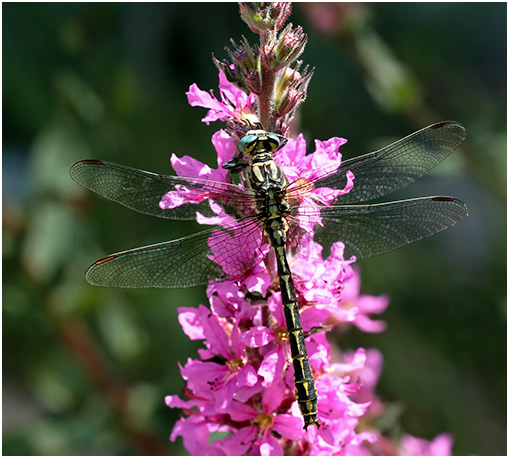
(265, 16)
(287, 102)
(244, 60)
(253, 81)
(232, 73)
(244, 57)
(290, 44)
(291, 90)
(268, 56)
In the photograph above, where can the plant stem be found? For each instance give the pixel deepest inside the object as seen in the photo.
(266, 98)
(268, 83)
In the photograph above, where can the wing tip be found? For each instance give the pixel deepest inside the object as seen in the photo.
(77, 165)
(89, 275)
(87, 162)
(458, 202)
(462, 132)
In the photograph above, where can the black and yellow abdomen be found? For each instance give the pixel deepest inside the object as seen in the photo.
(305, 390)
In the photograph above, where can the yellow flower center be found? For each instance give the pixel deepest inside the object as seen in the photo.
(235, 364)
(264, 421)
(281, 335)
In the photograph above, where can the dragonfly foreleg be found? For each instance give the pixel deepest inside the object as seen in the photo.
(237, 164)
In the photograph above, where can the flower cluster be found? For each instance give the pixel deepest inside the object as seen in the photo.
(242, 385)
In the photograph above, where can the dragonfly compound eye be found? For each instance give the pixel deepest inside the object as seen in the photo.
(272, 143)
(275, 141)
(247, 143)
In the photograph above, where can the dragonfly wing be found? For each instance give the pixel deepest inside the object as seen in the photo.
(391, 168)
(370, 230)
(142, 191)
(218, 254)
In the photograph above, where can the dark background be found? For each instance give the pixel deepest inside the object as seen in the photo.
(85, 369)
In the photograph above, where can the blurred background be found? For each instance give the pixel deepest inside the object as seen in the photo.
(85, 369)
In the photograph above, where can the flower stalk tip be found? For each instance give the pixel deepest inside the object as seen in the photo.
(265, 16)
(266, 70)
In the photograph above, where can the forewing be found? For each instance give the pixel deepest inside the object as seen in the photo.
(391, 168)
(215, 254)
(370, 230)
(142, 191)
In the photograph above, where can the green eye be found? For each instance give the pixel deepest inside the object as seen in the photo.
(274, 141)
(246, 142)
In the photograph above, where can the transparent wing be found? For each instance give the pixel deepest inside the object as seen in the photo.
(391, 168)
(215, 254)
(370, 230)
(142, 191)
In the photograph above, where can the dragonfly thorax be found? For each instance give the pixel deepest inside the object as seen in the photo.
(267, 180)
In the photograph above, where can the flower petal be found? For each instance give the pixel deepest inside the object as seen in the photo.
(257, 336)
(288, 426)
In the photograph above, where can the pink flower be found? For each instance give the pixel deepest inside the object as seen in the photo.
(301, 169)
(272, 342)
(364, 305)
(195, 431)
(366, 367)
(191, 168)
(258, 437)
(231, 377)
(440, 446)
(228, 301)
(240, 254)
(321, 281)
(234, 103)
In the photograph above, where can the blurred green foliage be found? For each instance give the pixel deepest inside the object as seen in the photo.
(85, 369)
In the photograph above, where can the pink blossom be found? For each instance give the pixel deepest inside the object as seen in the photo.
(195, 432)
(234, 103)
(227, 300)
(364, 305)
(365, 366)
(257, 439)
(212, 380)
(301, 169)
(239, 253)
(439, 446)
(191, 168)
(272, 341)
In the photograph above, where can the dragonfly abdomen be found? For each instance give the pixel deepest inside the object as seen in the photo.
(305, 390)
(268, 181)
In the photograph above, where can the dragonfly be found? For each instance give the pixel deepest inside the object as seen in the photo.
(267, 208)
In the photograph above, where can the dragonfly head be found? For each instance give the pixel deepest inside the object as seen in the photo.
(258, 141)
